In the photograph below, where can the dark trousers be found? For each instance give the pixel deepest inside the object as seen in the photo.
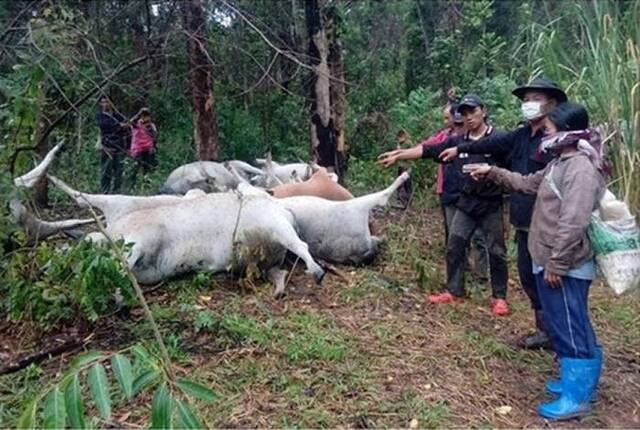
(111, 164)
(145, 161)
(527, 279)
(566, 317)
(460, 232)
(478, 249)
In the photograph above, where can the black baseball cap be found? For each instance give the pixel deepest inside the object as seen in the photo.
(544, 85)
(470, 100)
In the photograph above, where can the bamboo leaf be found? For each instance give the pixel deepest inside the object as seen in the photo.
(121, 367)
(161, 409)
(143, 380)
(196, 390)
(99, 386)
(73, 403)
(85, 359)
(186, 418)
(28, 418)
(55, 414)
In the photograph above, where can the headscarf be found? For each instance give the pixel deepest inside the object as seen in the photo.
(587, 141)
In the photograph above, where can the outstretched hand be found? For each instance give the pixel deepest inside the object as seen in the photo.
(477, 171)
(388, 158)
(448, 154)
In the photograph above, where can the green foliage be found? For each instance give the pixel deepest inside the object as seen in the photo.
(64, 401)
(48, 285)
(55, 414)
(601, 70)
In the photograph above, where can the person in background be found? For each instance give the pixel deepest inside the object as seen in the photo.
(144, 138)
(405, 192)
(478, 206)
(113, 137)
(521, 147)
(567, 191)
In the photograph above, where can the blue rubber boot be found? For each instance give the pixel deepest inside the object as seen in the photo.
(579, 378)
(554, 386)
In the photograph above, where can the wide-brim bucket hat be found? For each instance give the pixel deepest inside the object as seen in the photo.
(543, 85)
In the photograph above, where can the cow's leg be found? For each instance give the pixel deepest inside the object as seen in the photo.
(278, 278)
(100, 201)
(30, 178)
(286, 236)
(381, 197)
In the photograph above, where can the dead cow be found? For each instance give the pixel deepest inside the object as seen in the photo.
(339, 231)
(211, 232)
(321, 184)
(170, 235)
(208, 176)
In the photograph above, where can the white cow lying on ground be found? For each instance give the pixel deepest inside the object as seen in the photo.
(338, 231)
(276, 174)
(233, 230)
(208, 176)
(211, 176)
(214, 232)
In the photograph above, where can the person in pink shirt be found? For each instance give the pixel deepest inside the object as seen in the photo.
(144, 137)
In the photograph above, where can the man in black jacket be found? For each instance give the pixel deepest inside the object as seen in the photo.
(477, 207)
(113, 134)
(520, 147)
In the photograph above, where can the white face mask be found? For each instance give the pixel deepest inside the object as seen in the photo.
(532, 110)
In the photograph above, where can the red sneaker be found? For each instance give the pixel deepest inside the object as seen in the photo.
(445, 297)
(499, 307)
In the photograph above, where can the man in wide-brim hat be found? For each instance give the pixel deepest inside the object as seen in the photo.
(521, 147)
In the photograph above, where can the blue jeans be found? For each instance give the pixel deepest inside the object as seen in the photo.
(566, 316)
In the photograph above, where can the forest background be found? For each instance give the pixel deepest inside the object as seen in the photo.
(390, 65)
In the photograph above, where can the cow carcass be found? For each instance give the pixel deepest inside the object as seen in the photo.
(208, 176)
(338, 231)
(171, 235)
(275, 174)
(215, 232)
(321, 184)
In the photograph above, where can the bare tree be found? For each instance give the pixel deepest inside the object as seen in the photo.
(326, 87)
(200, 72)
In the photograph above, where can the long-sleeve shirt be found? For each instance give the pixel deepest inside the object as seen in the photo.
(113, 135)
(437, 139)
(558, 238)
(521, 151)
(475, 198)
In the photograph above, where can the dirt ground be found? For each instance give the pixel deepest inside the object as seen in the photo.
(360, 351)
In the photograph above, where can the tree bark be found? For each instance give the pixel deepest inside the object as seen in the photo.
(41, 197)
(200, 72)
(325, 124)
(337, 90)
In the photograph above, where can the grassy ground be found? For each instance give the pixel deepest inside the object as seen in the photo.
(362, 352)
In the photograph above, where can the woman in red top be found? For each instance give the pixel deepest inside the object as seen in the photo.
(144, 137)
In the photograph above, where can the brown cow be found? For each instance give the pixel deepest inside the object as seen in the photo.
(320, 185)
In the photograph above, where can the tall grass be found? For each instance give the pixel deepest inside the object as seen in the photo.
(593, 49)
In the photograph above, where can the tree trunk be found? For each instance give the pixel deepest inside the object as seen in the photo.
(337, 90)
(42, 122)
(324, 131)
(200, 72)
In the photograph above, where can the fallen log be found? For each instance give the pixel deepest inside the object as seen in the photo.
(20, 362)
